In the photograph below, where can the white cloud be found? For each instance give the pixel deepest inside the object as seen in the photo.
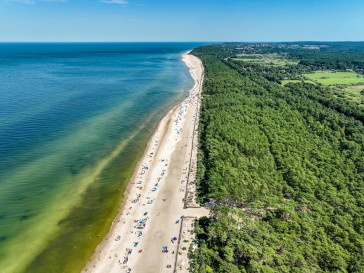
(118, 2)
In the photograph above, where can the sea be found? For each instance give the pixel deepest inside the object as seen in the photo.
(74, 120)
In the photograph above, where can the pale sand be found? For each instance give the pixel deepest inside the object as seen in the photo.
(166, 159)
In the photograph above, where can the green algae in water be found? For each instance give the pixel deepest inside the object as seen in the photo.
(77, 239)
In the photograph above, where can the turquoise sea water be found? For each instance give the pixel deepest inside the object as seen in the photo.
(74, 120)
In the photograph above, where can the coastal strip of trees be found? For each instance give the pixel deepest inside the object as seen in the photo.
(283, 168)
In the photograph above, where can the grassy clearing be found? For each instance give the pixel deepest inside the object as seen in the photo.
(284, 82)
(334, 78)
(356, 90)
(354, 93)
(266, 59)
(249, 60)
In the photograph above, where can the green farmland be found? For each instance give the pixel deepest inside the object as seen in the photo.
(334, 78)
(268, 59)
(284, 82)
(268, 62)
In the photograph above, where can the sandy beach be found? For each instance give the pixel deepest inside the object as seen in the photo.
(153, 207)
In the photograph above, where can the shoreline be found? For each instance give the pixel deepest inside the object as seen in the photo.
(138, 226)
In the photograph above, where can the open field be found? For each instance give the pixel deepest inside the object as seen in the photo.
(352, 93)
(284, 82)
(266, 59)
(331, 78)
(355, 90)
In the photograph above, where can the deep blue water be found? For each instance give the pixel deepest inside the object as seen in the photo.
(74, 118)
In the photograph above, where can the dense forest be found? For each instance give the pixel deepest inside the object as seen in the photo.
(282, 166)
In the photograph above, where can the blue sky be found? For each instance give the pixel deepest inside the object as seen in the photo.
(181, 20)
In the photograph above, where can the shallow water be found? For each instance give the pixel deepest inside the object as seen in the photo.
(74, 120)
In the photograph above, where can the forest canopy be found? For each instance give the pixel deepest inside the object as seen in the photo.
(281, 165)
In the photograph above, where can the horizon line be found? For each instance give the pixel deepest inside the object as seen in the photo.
(287, 41)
